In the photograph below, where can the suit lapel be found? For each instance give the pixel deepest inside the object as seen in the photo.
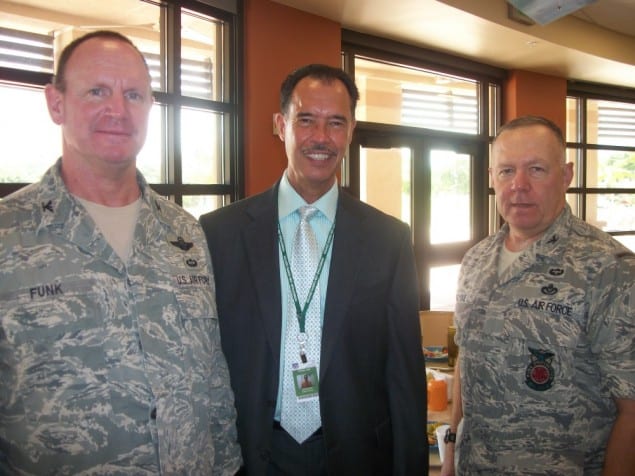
(261, 245)
(344, 265)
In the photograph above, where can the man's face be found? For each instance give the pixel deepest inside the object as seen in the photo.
(530, 179)
(316, 130)
(106, 103)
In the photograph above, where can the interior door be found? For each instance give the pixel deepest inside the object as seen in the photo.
(430, 184)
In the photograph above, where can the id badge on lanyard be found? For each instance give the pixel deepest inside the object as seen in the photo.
(304, 373)
(305, 381)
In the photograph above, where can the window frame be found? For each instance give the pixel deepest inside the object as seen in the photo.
(230, 13)
(582, 92)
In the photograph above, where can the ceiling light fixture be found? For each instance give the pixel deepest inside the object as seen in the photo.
(546, 11)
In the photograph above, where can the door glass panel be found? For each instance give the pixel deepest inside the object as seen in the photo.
(450, 198)
(443, 281)
(385, 180)
(426, 184)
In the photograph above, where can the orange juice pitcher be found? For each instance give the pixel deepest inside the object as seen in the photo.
(437, 395)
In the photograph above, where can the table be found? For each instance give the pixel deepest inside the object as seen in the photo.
(442, 416)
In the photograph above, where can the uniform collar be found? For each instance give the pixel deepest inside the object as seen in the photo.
(57, 205)
(552, 241)
(56, 210)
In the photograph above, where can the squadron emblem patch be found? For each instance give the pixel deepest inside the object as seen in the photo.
(539, 374)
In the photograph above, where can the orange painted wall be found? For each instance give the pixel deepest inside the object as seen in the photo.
(538, 94)
(278, 39)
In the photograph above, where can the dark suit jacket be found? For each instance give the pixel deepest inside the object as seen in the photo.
(372, 372)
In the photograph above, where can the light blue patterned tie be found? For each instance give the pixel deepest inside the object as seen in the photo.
(301, 418)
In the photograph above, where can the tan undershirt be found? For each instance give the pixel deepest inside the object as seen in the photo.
(116, 223)
(506, 258)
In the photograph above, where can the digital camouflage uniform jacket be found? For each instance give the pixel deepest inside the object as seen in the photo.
(106, 367)
(544, 349)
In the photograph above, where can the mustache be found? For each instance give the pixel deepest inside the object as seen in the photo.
(319, 148)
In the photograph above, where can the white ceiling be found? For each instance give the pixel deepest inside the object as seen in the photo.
(596, 43)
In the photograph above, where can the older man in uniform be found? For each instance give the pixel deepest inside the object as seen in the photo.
(546, 325)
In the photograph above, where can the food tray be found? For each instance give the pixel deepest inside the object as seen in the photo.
(435, 353)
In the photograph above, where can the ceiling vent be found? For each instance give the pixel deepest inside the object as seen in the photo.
(546, 11)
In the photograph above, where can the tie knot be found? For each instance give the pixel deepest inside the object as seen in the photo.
(307, 212)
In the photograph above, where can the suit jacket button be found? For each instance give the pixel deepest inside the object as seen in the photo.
(265, 455)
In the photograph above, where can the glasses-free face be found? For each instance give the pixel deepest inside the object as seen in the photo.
(105, 105)
(316, 129)
(530, 179)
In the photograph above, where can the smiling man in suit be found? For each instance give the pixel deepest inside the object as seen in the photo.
(348, 321)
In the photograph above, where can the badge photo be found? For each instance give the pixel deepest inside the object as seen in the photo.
(305, 382)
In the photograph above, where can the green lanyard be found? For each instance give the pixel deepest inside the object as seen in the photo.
(301, 310)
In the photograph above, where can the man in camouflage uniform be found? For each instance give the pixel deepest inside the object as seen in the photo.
(110, 359)
(545, 320)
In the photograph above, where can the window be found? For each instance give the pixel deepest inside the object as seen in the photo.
(601, 144)
(190, 154)
(419, 151)
(411, 96)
